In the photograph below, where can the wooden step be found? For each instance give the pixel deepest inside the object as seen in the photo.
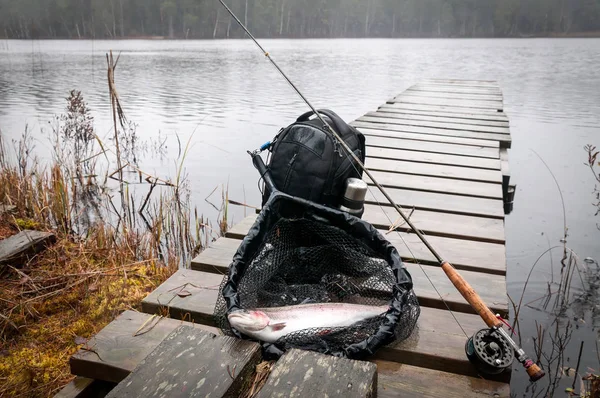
(443, 185)
(437, 342)
(446, 108)
(435, 147)
(434, 170)
(498, 121)
(191, 362)
(300, 373)
(393, 379)
(433, 158)
(480, 96)
(470, 206)
(466, 104)
(19, 248)
(449, 125)
(448, 139)
(384, 124)
(491, 288)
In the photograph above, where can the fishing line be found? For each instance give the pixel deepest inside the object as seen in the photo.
(532, 369)
(396, 206)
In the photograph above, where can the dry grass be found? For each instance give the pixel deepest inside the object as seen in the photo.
(117, 240)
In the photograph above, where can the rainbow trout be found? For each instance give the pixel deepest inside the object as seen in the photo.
(270, 324)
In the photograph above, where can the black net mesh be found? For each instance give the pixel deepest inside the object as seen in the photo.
(303, 261)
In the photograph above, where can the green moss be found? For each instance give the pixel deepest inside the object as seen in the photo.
(26, 223)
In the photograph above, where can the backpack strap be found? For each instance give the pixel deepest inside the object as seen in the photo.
(340, 126)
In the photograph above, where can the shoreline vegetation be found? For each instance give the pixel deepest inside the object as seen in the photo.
(119, 233)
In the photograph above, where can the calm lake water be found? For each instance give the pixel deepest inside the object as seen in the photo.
(231, 99)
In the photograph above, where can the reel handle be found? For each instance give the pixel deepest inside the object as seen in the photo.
(471, 296)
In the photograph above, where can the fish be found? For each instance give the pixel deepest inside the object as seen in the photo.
(271, 324)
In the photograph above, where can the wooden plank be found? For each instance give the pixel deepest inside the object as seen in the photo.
(462, 82)
(448, 139)
(455, 89)
(433, 158)
(116, 350)
(192, 363)
(399, 119)
(492, 288)
(429, 222)
(428, 137)
(434, 147)
(76, 388)
(504, 139)
(436, 170)
(434, 117)
(464, 96)
(300, 373)
(445, 108)
(415, 110)
(17, 249)
(437, 342)
(436, 184)
(439, 224)
(401, 380)
(480, 207)
(468, 104)
(468, 255)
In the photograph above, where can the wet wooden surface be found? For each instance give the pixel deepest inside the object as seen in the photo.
(300, 373)
(438, 147)
(17, 249)
(191, 362)
(491, 288)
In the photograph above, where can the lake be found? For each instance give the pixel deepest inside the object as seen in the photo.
(229, 99)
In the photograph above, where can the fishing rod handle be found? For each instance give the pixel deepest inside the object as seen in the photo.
(471, 296)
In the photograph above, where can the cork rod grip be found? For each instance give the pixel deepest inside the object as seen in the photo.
(470, 295)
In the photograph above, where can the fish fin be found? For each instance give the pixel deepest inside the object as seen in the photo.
(277, 326)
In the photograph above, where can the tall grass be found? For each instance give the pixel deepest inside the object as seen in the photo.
(120, 232)
(571, 294)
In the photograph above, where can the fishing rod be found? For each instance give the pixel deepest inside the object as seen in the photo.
(533, 370)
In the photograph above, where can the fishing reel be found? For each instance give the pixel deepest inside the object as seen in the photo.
(489, 351)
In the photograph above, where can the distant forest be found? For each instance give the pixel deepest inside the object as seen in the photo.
(200, 19)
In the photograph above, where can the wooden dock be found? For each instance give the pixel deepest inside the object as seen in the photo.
(441, 150)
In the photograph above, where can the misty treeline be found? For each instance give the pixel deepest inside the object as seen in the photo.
(27, 19)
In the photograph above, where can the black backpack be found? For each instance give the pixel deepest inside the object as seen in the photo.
(307, 161)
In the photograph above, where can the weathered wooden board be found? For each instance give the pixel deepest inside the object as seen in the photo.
(504, 139)
(436, 184)
(455, 89)
(412, 99)
(300, 373)
(116, 350)
(18, 248)
(401, 380)
(429, 137)
(433, 158)
(498, 117)
(436, 170)
(439, 224)
(399, 119)
(192, 363)
(469, 206)
(434, 117)
(435, 147)
(429, 222)
(82, 387)
(492, 288)
(437, 342)
(446, 109)
(463, 82)
(463, 96)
